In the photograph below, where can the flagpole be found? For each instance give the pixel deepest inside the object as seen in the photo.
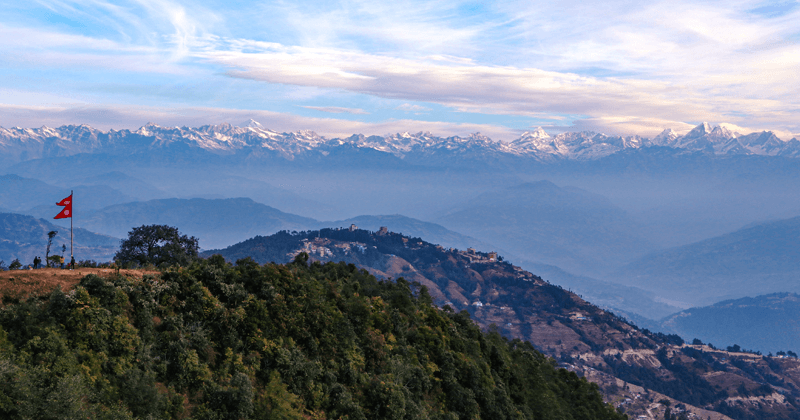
(72, 216)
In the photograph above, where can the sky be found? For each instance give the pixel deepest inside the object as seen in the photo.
(448, 67)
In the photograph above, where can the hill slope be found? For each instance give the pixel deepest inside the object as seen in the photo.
(408, 226)
(25, 237)
(768, 323)
(751, 261)
(270, 342)
(631, 363)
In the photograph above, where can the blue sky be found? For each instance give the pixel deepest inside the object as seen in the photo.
(364, 67)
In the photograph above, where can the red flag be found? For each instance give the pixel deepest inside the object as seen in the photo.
(65, 202)
(66, 213)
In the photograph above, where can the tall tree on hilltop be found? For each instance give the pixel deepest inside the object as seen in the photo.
(157, 245)
(50, 235)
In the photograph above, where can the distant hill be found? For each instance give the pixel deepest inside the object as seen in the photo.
(606, 294)
(408, 226)
(129, 185)
(216, 223)
(752, 261)
(642, 307)
(233, 186)
(629, 363)
(768, 323)
(38, 198)
(567, 227)
(25, 237)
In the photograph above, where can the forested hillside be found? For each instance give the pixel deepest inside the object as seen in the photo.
(637, 368)
(222, 341)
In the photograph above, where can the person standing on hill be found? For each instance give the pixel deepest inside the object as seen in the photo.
(36, 261)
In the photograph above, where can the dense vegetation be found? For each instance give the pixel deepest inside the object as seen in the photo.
(221, 341)
(158, 245)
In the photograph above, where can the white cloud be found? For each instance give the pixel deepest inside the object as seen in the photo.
(128, 117)
(338, 110)
(412, 108)
(621, 64)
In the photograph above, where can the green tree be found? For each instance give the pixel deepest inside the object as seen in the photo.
(276, 402)
(50, 235)
(54, 260)
(15, 265)
(157, 245)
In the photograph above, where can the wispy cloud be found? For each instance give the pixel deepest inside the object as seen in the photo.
(413, 108)
(474, 88)
(127, 117)
(338, 110)
(613, 65)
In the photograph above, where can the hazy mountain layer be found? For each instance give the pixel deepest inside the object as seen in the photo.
(642, 307)
(24, 194)
(752, 261)
(570, 228)
(768, 323)
(25, 237)
(216, 222)
(127, 184)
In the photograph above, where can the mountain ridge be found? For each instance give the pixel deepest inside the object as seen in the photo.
(768, 323)
(20, 144)
(755, 260)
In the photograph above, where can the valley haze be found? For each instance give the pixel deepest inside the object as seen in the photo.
(614, 182)
(587, 209)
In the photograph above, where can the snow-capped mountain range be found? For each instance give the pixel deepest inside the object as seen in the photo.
(252, 139)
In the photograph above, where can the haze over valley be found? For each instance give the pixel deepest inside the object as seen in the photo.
(400, 210)
(646, 227)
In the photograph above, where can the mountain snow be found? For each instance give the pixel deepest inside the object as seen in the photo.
(18, 144)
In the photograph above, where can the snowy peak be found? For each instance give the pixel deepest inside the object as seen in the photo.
(665, 138)
(536, 142)
(251, 123)
(253, 141)
(699, 131)
(539, 133)
(722, 133)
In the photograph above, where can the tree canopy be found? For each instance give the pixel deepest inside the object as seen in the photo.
(220, 341)
(158, 245)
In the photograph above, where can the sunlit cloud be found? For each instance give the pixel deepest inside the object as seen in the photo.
(611, 66)
(126, 117)
(337, 110)
(412, 108)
